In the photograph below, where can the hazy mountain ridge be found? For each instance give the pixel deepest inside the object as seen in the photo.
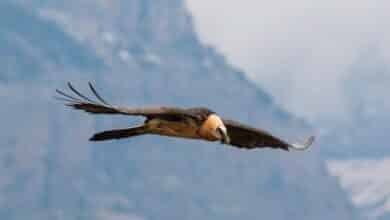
(21, 38)
(367, 183)
(364, 134)
(52, 172)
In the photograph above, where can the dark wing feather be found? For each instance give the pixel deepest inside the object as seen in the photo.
(100, 106)
(244, 136)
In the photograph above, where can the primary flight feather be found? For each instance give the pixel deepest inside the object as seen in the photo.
(195, 123)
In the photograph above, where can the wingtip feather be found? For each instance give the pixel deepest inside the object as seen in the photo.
(305, 145)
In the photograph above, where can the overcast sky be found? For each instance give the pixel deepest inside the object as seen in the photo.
(301, 51)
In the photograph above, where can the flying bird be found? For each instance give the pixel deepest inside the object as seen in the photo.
(193, 123)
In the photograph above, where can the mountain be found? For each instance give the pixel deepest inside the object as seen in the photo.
(360, 157)
(139, 53)
(25, 53)
(364, 134)
(334, 74)
(367, 183)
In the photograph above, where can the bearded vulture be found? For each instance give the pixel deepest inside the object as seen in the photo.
(194, 123)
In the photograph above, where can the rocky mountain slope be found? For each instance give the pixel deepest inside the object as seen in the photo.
(139, 53)
(367, 182)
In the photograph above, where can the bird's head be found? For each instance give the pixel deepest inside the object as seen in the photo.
(214, 129)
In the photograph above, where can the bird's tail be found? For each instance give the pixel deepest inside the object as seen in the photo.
(119, 133)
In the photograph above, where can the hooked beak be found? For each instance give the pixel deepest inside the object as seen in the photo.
(224, 135)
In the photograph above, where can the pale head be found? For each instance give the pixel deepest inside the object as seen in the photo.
(213, 129)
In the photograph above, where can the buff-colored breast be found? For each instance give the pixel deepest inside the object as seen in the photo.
(184, 129)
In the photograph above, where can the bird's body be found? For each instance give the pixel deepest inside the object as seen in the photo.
(177, 127)
(174, 128)
(191, 123)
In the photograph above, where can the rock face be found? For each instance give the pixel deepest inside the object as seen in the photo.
(139, 53)
(367, 183)
(364, 135)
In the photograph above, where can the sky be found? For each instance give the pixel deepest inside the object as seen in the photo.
(301, 51)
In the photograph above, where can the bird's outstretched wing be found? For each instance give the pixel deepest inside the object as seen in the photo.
(244, 136)
(99, 106)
